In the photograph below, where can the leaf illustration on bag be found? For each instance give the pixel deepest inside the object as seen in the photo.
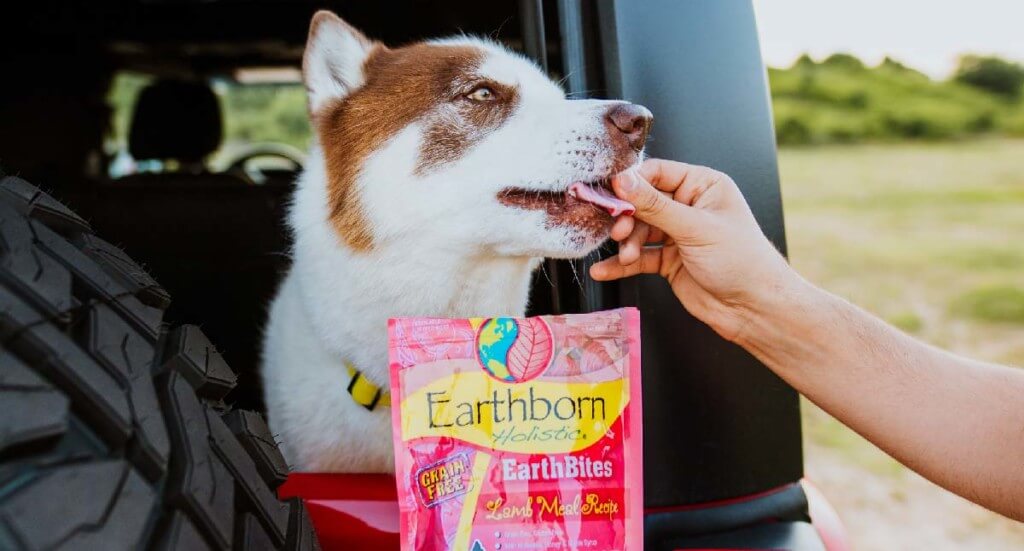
(530, 354)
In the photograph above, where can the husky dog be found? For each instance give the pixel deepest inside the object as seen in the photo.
(440, 174)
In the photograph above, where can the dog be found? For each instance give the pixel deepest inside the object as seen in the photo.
(441, 173)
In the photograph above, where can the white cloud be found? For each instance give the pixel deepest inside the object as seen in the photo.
(927, 35)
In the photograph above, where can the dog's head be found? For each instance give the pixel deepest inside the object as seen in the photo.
(461, 141)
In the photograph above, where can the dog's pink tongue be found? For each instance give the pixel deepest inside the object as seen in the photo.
(601, 197)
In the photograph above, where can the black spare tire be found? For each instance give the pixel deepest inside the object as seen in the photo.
(113, 429)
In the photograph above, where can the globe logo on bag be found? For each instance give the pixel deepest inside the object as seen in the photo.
(514, 350)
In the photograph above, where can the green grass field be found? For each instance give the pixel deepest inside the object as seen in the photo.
(931, 238)
(927, 236)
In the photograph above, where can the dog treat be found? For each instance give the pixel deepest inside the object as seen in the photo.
(518, 433)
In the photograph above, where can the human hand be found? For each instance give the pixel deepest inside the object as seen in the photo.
(713, 254)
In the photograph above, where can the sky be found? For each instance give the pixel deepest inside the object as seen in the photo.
(926, 35)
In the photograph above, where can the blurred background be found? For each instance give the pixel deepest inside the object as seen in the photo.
(901, 149)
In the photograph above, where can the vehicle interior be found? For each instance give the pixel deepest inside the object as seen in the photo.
(144, 118)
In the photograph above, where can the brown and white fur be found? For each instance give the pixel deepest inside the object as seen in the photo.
(435, 185)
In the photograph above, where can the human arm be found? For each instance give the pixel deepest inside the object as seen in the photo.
(956, 421)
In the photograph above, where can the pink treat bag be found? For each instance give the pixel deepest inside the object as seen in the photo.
(518, 433)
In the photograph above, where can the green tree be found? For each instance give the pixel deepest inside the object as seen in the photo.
(992, 74)
(804, 60)
(844, 60)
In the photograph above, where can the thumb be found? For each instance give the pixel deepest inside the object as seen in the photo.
(656, 208)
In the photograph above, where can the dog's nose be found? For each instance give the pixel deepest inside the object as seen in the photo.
(632, 120)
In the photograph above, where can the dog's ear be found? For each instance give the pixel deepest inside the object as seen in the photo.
(332, 66)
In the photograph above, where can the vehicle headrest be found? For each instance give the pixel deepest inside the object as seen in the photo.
(175, 119)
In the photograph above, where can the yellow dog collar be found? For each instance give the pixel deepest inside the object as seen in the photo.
(364, 392)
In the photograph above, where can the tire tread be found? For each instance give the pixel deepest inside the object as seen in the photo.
(117, 435)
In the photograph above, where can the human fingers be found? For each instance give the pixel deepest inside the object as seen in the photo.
(610, 268)
(622, 227)
(629, 249)
(657, 208)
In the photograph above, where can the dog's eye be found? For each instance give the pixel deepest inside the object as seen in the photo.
(482, 93)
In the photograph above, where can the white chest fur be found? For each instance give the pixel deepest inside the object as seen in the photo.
(334, 306)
